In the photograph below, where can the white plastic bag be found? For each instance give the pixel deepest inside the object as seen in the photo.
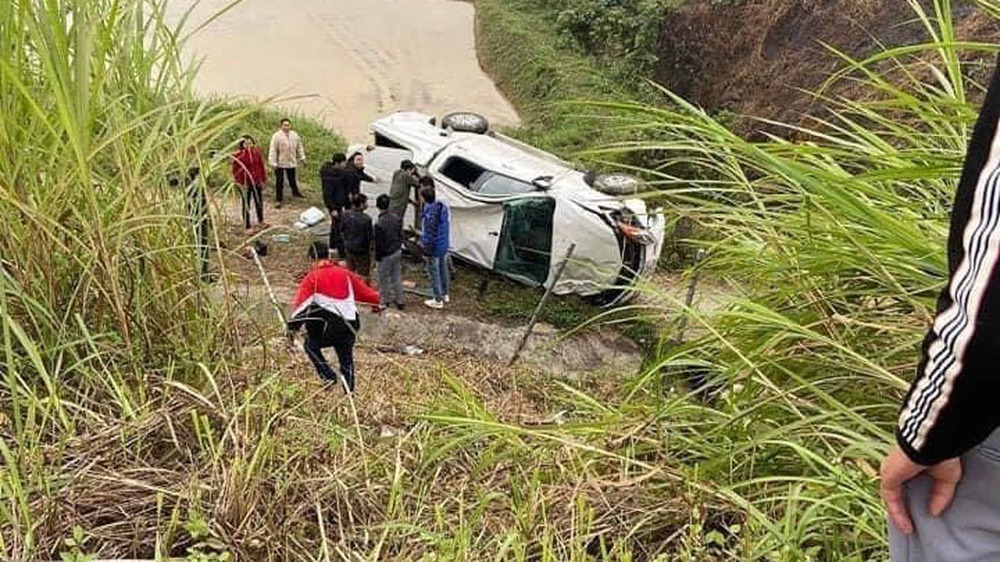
(312, 216)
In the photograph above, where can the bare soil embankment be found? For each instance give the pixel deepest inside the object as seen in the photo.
(760, 58)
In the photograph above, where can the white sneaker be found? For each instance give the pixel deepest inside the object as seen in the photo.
(447, 298)
(434, 304)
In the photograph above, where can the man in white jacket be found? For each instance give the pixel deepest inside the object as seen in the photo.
(285, 154)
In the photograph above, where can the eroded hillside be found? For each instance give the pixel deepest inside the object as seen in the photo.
(761, 57)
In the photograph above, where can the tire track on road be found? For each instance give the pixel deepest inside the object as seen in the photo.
(373, 62)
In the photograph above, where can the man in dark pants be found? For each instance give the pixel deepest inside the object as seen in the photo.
(327, 304)
(285, 154)
(389, 254)
(941, 482)
(358, 235)
(336, 197)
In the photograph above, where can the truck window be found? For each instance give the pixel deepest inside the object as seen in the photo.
(382, 140)
(494, 184)
(481, 181)
(462, 172)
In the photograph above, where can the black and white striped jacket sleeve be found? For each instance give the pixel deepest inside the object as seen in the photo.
(952, 404)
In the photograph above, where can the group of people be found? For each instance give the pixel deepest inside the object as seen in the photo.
(352, 234)
(356, 238)
(328, 298)
(284, 155)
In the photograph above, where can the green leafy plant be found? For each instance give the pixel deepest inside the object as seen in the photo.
(75, 546)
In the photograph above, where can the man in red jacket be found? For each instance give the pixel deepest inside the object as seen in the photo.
(249, 173)
(326, 304)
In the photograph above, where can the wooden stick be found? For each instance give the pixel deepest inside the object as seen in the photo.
(541, 303)
(689, 298)
(267, 287)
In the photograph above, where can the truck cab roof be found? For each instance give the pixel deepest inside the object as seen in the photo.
(417, 132)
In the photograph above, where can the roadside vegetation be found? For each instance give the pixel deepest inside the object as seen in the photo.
(835, 245)
(836, 242)
(537, 53)
(142, 414)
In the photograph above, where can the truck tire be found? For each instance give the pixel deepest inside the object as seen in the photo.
(465, 122)
(617, 183)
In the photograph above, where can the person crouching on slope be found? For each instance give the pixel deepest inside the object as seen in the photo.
(327, 305)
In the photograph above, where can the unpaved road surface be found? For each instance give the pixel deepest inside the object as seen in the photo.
(344, 62)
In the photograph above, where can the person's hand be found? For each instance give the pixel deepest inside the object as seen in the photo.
(898, 469)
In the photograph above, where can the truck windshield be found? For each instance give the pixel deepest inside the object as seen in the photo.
(490, 183)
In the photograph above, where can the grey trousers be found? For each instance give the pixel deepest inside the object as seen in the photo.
(970, 528)
(390, 279)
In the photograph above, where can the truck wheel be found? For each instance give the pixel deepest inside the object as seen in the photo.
(618, 184)
(465, 122)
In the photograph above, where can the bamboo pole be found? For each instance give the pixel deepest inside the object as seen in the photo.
(267, 287)
(541, 303)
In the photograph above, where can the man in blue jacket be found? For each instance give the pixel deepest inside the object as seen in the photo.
(436, 230)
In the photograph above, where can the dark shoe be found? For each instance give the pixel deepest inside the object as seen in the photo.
(401, 305)
(278, 204)
(299, 195)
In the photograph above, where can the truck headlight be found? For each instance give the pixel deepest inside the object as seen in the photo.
(638, 234)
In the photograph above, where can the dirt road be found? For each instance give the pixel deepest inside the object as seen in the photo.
(345, 62)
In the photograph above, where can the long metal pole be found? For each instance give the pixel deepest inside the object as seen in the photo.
(541, 303)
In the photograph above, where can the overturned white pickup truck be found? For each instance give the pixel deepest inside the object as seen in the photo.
(516, 209)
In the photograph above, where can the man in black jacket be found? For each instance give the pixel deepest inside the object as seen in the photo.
(357, 227)
(336, 190)
(941, 482)
(356, 174)
(389, 254)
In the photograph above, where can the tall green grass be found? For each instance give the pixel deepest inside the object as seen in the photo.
(548, 76)
(98, 288)
(134, 419)
(836, 242)
(135, 422)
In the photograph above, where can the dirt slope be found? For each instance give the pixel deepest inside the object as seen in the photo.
(753, 57)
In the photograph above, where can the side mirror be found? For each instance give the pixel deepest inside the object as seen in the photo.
(542, 182)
